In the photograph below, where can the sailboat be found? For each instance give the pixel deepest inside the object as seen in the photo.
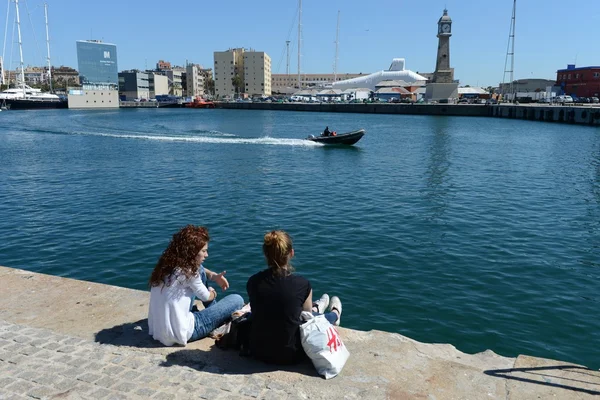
(25, 97)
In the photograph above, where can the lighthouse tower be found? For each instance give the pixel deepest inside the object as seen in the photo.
(442, 86)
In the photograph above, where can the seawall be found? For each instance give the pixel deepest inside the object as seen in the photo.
(576, 114)
(71, 339)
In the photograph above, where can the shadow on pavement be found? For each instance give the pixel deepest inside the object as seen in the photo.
(568, 377)
(134, 334)
(214, 360)
(220, 361)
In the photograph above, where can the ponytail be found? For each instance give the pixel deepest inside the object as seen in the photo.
(277, 248)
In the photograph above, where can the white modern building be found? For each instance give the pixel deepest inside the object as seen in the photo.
(395, 72)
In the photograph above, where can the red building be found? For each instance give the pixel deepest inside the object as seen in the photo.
(581, 82)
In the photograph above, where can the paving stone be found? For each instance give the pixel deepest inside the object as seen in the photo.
(129, 375)
(251, 390)
(209, 393)
(147, 378)
(106, 381)
(100, 393)
(52, 346)
(113, 370)
(4, 382)
(71, 372)
(89, 377)
(28, 350)
(20, 386)
(22, 339)
(125, 387)
(64, 384)
(145, 392)
(67, 349)
(41, 392)
(162, 396)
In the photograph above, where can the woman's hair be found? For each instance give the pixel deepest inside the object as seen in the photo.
(181, 253)
(277, 248)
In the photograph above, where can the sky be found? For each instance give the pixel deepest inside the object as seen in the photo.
(549, 34)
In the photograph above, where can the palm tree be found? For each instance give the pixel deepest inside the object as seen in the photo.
(209, 86)
(236, 81)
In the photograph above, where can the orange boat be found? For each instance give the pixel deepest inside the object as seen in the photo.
(199, 102)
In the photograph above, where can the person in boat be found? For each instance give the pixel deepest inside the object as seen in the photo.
(177, 279)
(326, 132)
(278, 296)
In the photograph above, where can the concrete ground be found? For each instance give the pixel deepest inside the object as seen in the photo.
(67, 339)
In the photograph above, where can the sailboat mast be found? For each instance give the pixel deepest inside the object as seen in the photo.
(287, 67)
(48, 46)
(299, 40)
(20, 47)
(337, 41)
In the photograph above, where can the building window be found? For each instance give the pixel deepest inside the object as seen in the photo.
(569, 76)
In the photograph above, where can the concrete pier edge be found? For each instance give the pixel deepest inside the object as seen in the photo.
(70, 339)
(568, 114)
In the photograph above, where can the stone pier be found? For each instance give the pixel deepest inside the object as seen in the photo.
(67, 339)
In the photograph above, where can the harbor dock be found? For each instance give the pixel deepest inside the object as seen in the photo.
(571, 114)
(68, 339)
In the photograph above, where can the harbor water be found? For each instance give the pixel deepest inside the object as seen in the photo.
(479, 232)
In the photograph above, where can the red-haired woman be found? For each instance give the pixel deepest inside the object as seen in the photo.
(177, 280)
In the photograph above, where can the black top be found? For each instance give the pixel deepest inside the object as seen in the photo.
(276, 306)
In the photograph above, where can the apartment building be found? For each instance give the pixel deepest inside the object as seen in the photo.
(158, 84)
(257, 73)
(284, 83)
(229, 65)
(196, 78)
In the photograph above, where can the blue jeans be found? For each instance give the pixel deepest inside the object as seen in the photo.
(330, 316)
(215, 313)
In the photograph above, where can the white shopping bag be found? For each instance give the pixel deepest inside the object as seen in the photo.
(323, 345)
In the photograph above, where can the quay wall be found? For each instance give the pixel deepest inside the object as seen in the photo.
(87, 340)
(582, 115)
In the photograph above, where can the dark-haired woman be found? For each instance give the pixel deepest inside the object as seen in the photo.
(277, 297)
(177, 280)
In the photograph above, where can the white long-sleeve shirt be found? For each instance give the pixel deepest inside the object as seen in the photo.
(169, 318)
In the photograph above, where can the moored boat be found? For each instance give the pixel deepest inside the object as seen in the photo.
(348, 138)
(199, 102)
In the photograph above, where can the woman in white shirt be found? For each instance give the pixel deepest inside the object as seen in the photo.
(177, 280)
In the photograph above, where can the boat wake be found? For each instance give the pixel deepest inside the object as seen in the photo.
(206, 139)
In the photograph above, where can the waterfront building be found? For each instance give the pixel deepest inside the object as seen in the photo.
(158, 84)
(581, 82)
(229, 69)
(35, 75)
(442, 86)
(64, 76)
(98, 74)
(134, 85)
(396, 71)
(196, 78)
(286, 83)
(163, 65)
(242, 72)
(257, 73)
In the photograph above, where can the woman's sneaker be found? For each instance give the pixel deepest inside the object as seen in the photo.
(322, 303)
(337, 305)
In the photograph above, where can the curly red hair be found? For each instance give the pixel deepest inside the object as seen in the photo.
(180, 254)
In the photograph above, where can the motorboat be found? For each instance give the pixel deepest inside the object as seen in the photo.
(199, 102)
(348, 138)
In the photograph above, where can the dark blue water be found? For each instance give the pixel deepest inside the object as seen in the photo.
(482, 233)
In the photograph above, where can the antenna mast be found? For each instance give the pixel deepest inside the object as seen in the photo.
(337, 42)
(299, 40)
(48, 46)
(510, 53)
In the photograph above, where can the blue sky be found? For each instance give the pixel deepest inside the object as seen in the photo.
(549, 33)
